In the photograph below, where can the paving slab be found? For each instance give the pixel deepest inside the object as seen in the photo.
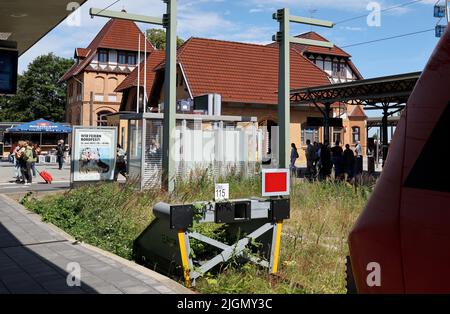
(35, 258)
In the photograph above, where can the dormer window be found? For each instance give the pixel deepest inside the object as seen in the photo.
(343, 71)
(126, 58)
(335, 69)
(103, 55)
(131, 60)
(122, 57)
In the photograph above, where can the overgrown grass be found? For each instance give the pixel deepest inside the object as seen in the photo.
(313, 248)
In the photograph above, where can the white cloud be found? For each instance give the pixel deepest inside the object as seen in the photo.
(348, 5)
(296, 4)
(256, 10)
(64, 38)
(194, 20)
(251, 34)
(353, 28)
(203, 24)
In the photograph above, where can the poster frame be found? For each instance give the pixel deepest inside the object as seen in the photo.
(76, 129)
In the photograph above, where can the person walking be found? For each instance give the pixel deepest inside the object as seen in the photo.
(60, 154)
(29, 160)
(294, 156)
(310, 154)
(349, 162)
(337, 153)
(36, 153)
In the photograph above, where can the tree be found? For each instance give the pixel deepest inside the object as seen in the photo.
(158, 38)
(39, 95)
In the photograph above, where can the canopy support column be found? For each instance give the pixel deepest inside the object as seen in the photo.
(384, 131)
(326, 123)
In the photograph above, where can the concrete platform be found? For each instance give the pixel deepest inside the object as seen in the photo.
(35, 258)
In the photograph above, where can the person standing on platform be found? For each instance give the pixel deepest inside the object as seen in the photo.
(349, 162)
(294, 156)
(310, 154)
(337, 160)
(359, 157)
(20, 162)
(60, 154)
(325, 162)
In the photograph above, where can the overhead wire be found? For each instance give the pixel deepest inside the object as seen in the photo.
(388, 38)
(383, 10)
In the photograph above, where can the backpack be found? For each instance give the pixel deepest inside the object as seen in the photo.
(24, 156)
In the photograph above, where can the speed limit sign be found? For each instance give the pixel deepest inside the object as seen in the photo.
(221, 191)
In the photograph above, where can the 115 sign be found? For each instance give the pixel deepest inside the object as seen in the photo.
(221, 192)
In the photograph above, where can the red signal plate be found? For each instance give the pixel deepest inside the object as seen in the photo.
(275, 182)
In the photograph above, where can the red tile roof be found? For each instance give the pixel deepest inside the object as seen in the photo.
(240, 72)
(153, 59)
(357, 112)
(116, 34)
(335, 51)
(82, 52)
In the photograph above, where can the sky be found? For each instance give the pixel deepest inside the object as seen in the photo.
(251, 21)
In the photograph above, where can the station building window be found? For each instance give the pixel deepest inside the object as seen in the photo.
(121, 57)
(103, 56)
(337, 135)
(131, 59)
(356, 134)
(310, 133)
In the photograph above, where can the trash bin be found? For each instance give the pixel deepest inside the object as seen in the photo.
(371, 164)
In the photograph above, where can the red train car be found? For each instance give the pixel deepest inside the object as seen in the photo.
(401, 241)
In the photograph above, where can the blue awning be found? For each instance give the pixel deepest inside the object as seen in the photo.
(40, 126)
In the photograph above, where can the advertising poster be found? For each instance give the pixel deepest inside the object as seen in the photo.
(94, 153)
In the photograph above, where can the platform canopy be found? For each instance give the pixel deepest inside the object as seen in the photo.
(40, 126)
(388, 94)
(371, 93)
(27, 21)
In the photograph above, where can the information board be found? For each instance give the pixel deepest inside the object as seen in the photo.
(93, 153)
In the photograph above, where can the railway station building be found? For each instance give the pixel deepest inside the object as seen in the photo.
(246, 76)
(103, 82)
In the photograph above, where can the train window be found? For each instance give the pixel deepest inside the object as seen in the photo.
(431, 170)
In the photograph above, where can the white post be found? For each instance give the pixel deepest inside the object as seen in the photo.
(139, 74)
(447, 13)
(145, 75)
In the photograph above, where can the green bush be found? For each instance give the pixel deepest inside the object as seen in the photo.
(106, 215)
(314, 239)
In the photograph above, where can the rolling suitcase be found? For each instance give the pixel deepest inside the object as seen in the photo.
(47, 177)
